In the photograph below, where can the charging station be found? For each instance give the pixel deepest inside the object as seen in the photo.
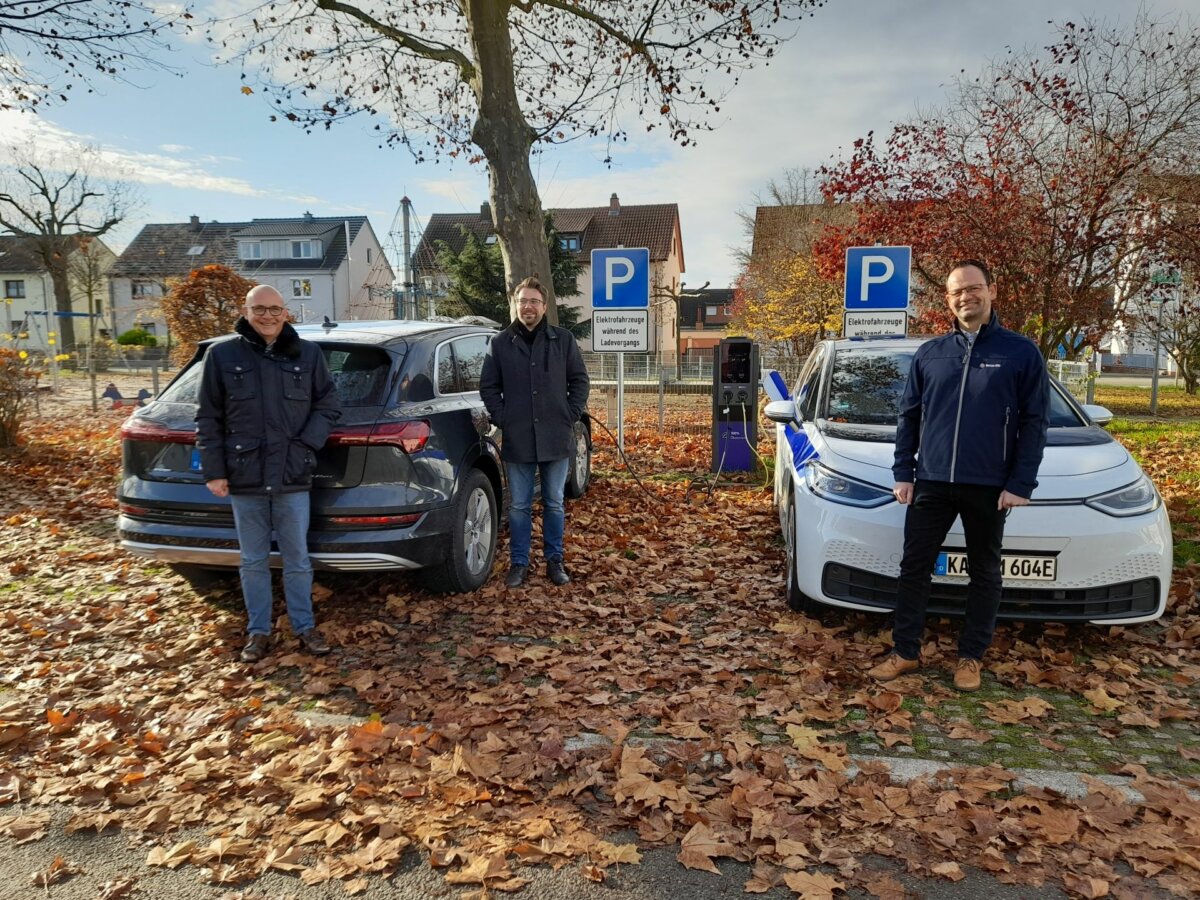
(735, 405)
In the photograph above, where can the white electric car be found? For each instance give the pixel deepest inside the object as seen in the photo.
(1094, 545)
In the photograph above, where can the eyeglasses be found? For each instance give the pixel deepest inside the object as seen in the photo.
(528, 302)
(972, 289)
(275, 311)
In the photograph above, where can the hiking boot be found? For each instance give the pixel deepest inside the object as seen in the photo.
(256, 648)
(516, 576)
(967, 674)
(556, 573)
(893, 667)
(314, 642)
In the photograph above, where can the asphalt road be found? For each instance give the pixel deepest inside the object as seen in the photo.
(115, 857)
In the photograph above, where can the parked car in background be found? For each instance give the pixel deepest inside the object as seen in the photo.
(1093, 545)
(410, 477)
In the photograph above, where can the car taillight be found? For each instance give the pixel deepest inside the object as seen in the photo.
(147, 430)
(409, 436)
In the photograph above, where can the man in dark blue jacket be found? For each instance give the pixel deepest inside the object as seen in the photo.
(535, 388)
(266, 406)
(969, 442)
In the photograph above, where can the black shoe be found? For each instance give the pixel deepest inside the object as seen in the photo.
(556, 573)
(256, 648)
(516, 576)
(313, 642)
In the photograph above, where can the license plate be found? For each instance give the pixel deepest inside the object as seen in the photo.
(1014, 568)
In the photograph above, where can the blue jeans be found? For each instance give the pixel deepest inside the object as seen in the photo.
(255, 516)
(935, 506)
(520, 521)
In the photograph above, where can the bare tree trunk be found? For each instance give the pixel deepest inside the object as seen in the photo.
(505, 138)
(64, 325)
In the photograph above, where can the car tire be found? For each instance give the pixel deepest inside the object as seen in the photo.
(796, 601)
(579, 476)
(474, 527)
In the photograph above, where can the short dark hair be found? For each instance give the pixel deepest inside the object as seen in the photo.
(978, 264)
(530, 282)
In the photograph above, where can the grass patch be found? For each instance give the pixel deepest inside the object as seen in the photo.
(1134, 400)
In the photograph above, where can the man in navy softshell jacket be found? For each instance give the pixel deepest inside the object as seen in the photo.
(969, 441)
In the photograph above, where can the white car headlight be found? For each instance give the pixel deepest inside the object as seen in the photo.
(831, 485)
(1131, 500)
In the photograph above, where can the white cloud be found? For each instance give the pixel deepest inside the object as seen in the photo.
(173, 148)
(19, 130)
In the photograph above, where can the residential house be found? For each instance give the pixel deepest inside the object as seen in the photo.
(581, 230)
(305, 258)
(31, 317)
(704, 317)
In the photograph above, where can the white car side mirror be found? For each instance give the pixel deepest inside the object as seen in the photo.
(782, 411)
(1098, 414)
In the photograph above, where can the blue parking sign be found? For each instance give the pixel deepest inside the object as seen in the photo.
(621, 278)
(877, 277)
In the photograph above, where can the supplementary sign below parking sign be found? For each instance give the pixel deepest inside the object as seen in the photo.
(621, 331)
(877, 277)
(883, 323)
(621, 278)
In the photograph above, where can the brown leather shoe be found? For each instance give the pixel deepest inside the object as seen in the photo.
(967, 674)
(893, 667)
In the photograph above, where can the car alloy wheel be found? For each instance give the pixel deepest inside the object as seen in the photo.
(479, 535)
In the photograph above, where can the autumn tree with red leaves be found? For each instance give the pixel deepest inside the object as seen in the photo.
(205, 304)
(1039, 166)
(489, 81)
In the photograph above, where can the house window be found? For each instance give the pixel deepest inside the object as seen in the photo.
(142, 289)
(14, 290)
(368, 256)
(304, 249)
(301, 287)
(569, 242)
(148, 327)
(710, 311)
(249, 250)
(195, 250)
(490, 239)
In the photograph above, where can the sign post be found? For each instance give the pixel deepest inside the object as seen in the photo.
(621, 311)
(1164, 283)
(877, 286)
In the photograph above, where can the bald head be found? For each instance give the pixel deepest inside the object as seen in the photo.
(266, 311)
(264, 295)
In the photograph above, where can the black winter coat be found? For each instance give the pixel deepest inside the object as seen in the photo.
(263, 415)
(534, 393)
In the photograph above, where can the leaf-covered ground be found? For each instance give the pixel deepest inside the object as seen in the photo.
(667, 691)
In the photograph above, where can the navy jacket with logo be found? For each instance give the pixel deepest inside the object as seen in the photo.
(975, 414)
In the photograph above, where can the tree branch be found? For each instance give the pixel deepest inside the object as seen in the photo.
(466, 69)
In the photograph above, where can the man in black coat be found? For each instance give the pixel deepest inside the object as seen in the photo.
(535, 388)
(266, 407)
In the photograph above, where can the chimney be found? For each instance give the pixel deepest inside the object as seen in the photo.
(485, 212)
(194, 224)
(308, 217)
(614, 205)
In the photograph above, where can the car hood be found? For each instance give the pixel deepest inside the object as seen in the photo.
(1078, 462)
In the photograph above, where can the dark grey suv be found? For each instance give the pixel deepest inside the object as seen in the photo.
(410, 478)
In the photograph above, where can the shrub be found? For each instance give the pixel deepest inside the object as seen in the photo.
(18, 380)
(137, 337)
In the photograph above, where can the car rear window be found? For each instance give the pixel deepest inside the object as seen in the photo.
(360, 376)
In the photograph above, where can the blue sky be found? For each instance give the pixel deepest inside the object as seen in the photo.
(197, 146)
